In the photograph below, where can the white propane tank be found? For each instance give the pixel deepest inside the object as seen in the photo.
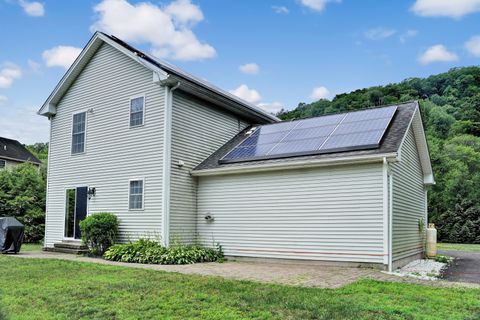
(431, 241)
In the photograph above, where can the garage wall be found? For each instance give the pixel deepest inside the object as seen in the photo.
(333, 213)
(408, 202)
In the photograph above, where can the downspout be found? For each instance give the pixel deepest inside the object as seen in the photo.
(387, 211)
(390, 222)
(167, 155)
(45, 241)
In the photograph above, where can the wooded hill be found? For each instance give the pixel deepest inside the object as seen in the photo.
(450, 106)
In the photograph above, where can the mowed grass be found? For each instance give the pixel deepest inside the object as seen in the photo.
(56, 289)
(31, 247)
(459, 247)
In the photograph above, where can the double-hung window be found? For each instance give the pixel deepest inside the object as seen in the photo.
(137, 111)
(78, 132)
(136, 195)
(3, 164)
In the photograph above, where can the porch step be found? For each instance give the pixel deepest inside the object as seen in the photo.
(74, 247)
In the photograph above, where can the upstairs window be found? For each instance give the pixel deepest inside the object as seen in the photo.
(3, 164)
(137, 111)
(136, 195)
(78, 132)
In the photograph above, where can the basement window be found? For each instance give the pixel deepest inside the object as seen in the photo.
(137, 111)
(136, 194)
(3, 164)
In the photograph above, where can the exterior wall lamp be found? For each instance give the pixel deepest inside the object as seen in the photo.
(91, 192)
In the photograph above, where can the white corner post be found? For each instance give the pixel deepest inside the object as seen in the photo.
(167, 159)
(167, 141)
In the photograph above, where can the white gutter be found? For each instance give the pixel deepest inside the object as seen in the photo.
(287, 165)
(167, 155)
(390, 222)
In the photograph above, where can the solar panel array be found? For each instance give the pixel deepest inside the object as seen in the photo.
(334, 133)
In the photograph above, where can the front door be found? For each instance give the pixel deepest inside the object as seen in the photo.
(75, 211)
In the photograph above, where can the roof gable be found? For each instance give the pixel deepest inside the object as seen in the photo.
(163, 73)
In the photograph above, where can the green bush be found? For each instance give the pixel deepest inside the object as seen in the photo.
(151, 252)
(99, 231)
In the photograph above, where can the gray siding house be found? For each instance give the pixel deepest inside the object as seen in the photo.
(171, 156)
(13, 153)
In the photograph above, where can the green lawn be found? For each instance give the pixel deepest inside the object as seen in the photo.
(56, 289)
(31, 247)
(459, 246)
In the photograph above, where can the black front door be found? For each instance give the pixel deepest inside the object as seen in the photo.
(80, 209)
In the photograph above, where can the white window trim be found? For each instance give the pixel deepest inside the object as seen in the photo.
(85, 133)
(130, 110)
(74, 187)
(143, 194)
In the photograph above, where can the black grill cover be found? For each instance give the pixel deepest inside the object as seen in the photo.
(11, 235)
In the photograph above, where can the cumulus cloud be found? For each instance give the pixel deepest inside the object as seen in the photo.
(8, 74)
(407, 35)
(320, 93)
(247, 94)
(272, 107)
(3, 100)
(317, 5)
(33, 8)
(280, 9)
(166, 29)
(378, 33)
(437, 53)
(445, 8)
(473, 46)
(249, 68)
(60, 56)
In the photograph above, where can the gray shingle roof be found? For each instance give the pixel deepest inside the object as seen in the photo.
(12, 149)
(389, 144)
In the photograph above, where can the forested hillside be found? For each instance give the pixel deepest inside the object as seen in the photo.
(450, 105)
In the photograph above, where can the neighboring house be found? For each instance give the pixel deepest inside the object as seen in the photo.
(13, 153)
(176, 158)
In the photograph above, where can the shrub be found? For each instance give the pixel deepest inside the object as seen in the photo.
(99, 231)
(443, 259)
(151, 252)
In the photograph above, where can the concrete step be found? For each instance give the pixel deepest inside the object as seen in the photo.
(67, 250)
(69, 246)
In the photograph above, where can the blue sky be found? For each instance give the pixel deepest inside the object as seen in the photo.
(272, 53)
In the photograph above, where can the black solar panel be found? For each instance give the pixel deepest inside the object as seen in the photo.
(334, 133)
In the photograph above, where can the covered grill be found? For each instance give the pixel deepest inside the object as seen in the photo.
(11, 235)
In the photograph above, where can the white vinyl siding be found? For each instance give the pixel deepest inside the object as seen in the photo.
(198, 130)
(330, 213)
(115, 153)
(408, 205)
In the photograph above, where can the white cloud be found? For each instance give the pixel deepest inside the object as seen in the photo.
(473, 46)
(437, 53)
(280, 9)
(60, 56)
(378, 33)
(273, 107)
(167, 30)
(320, 93)
(8, 74)
(247, 94)
(317, 5)
(249, 68)
(408, 34)
(34, 8)
(3, 100)
(445, 8)
(33, 127)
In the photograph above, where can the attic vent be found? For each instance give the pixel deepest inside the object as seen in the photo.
(5, 147)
